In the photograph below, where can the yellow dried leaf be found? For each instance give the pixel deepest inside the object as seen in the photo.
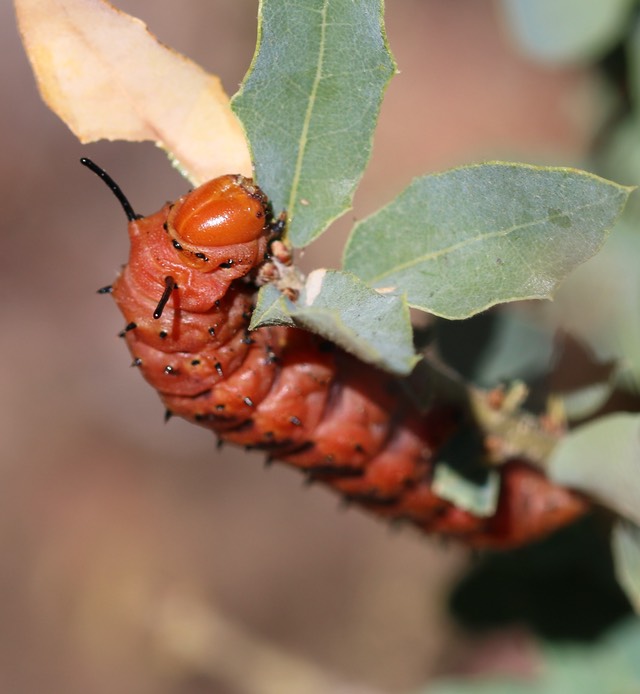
(108, 77)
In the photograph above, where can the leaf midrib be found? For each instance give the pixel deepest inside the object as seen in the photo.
(308, 115)
(426, 257)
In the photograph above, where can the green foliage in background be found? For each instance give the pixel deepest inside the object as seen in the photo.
(609, 666)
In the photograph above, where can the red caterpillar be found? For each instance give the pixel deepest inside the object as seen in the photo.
(286, 391)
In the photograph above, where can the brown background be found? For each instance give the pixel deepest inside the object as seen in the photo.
(126, 543)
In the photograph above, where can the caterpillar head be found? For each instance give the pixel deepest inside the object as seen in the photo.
(199, 244)
(206, 224)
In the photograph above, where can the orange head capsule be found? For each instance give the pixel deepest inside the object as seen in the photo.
(225, 211)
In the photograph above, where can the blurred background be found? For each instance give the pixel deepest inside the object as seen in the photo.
(135, 556)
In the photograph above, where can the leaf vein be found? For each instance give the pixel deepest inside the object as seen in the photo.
(309, 112)
(482, 236)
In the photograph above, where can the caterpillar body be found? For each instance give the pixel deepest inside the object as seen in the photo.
(187, 294)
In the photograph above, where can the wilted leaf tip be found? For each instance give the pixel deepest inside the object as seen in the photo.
(105, 75)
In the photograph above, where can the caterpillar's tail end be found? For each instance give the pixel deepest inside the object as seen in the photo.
(530, 508)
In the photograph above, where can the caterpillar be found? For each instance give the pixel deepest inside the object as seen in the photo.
(187, 294)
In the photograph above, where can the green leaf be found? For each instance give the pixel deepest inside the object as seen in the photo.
(602, 458)
(462, 478)
(517, 349)
(600, 302)
(585, 402)
(567, 30)
(610, 665)
(310, 103)
(341, 308)
(464, 240)
(633, 66)
(480, 499)
(271, 308)
(625, 544)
